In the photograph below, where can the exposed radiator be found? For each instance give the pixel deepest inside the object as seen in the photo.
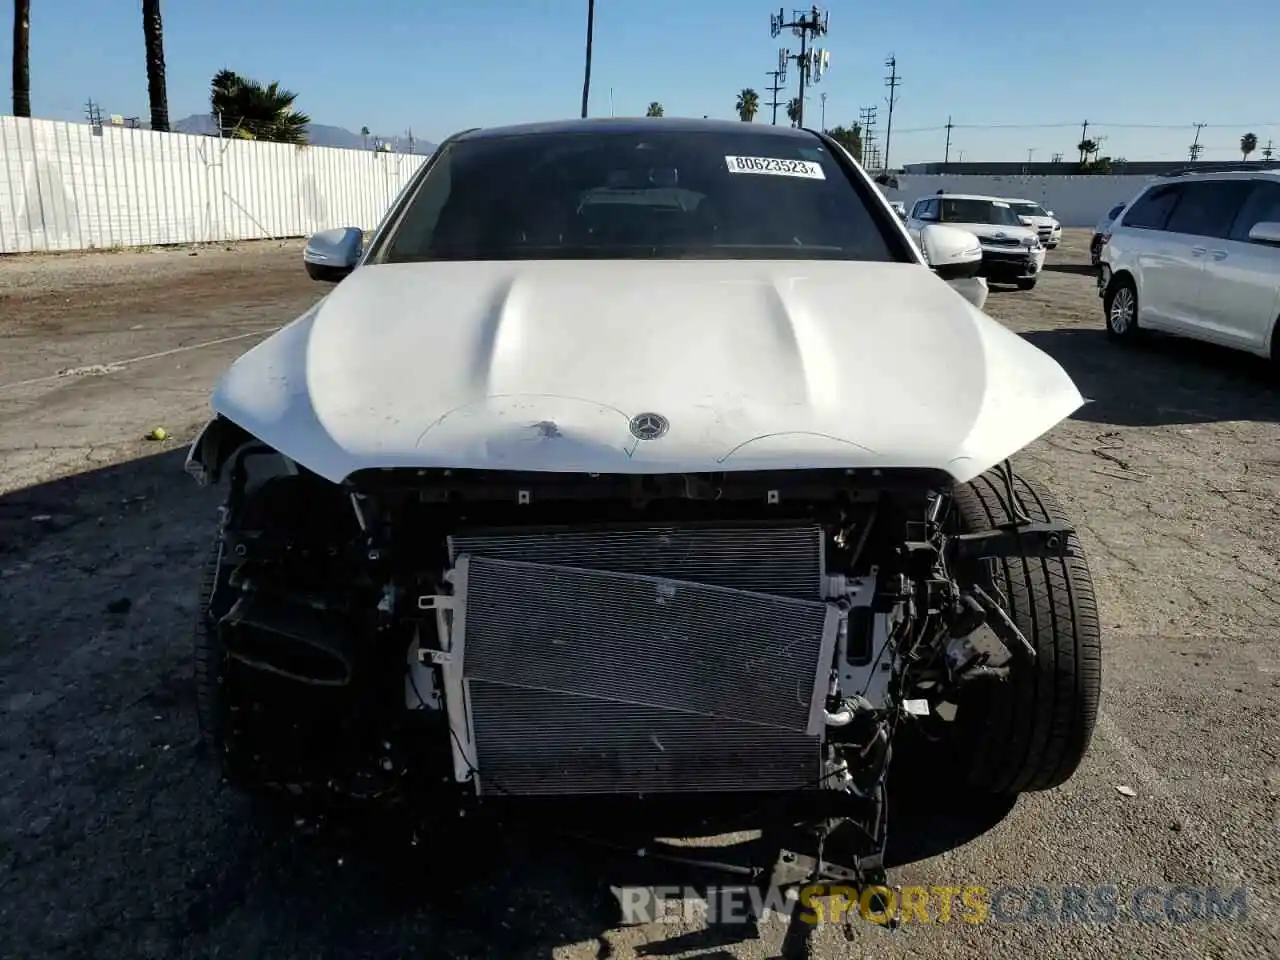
(589, 681)
(586, 746)
(785, 560)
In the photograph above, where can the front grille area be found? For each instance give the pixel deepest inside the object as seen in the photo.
(590, 680)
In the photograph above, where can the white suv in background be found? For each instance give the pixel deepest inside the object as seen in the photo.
(1011, 251)
(1198, 256)
(1045, 223)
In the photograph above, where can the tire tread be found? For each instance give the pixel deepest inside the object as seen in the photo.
(1035, 731)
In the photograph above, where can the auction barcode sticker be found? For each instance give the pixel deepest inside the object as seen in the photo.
(775, 167)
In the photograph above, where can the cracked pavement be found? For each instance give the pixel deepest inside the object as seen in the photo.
(116, 841)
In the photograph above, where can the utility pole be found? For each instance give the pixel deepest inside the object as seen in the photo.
(1030, 153)
(946, 156)
(586, 80)
(823, 98)
(1268, 151)
(867, 115)
(779, 80)
(892, 81)
(93, 113)
(1196, 149)
(803, 24)
(1084, 135)
(411, 141)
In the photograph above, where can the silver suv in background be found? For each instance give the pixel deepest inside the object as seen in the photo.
(1198, 256)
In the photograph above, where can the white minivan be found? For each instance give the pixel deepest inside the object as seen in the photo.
(1198, 256)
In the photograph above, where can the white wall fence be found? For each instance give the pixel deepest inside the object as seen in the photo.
(72, 186)
(1077, 201)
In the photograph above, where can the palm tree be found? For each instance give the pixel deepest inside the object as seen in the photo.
(22, 58)
(793, 110)
(153, 31)
(1248, 144)
(586, 80)
(364, 137)
(748, 105)
(850, 138)
(655, 110)
(1087, 148)
(251, 111)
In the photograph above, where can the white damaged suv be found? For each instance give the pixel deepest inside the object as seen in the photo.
(1011, 251)
(640, 458)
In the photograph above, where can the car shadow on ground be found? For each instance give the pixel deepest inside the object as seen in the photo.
(1080, 269)
(192, 868)
(1161, 380)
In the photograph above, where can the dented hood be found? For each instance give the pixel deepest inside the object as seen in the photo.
(543, 365)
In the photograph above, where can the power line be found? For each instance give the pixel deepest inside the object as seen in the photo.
(779, 79)
(1196, 149)
(893, 81)
(937, 128)
(867, 116)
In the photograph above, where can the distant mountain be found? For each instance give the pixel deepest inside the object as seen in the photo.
(318, 134)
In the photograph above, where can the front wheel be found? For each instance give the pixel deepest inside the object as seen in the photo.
(1027, 283)
(1031, 732)
(1121, 307)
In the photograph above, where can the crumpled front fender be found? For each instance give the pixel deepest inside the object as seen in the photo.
(213, 446)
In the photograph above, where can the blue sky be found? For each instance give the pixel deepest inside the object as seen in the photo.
(1037, 70)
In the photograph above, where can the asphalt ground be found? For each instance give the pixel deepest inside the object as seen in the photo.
(116, 841)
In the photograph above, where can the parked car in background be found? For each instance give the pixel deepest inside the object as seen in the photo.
(899, 208)
(1100, 231)
(1046, 224)
(1011, 251)
(1198, 256)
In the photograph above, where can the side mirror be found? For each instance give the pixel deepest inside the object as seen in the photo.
(1268, 231)
(954, 254)
(1026, 222)
(1050, 213)
(332, 254)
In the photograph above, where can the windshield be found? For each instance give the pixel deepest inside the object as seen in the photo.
(1029, 210)
(978, 211)
(637, 194)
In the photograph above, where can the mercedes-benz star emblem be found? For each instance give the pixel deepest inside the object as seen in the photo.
(648, 426)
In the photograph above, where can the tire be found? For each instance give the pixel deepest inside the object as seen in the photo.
(1032, 732)
(210, 670)
(1027, 283)
(1113, 310)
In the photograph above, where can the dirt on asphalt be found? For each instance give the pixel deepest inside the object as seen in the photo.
(117, 841)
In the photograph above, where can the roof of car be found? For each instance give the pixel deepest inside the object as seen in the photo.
(970, 196)
(637, 124)
(1222, 173)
